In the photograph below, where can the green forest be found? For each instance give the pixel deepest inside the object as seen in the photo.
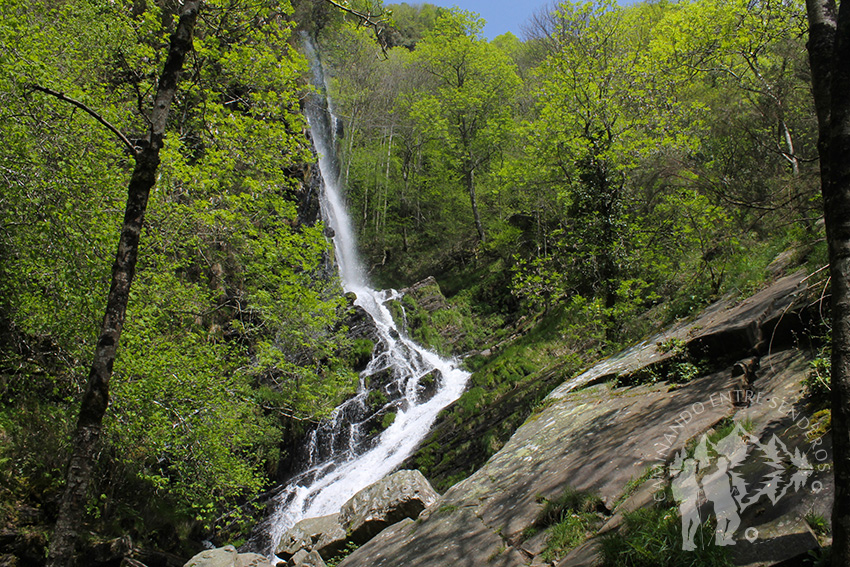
(614, 170)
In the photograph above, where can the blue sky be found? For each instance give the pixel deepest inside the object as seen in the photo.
(501, 15)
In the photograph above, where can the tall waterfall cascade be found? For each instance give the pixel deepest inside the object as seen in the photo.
(343, 458)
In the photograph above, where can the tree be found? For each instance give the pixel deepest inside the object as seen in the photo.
(829, 54)
(96, 398)
(468, 109)
(598, 115)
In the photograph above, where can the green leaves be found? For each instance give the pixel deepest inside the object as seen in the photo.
(231, 305)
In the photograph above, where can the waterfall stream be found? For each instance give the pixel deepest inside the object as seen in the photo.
(415, 382)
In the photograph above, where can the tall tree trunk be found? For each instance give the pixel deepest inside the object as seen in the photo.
(829, 54)
(96, 398)
(836, 202)
(469, 180)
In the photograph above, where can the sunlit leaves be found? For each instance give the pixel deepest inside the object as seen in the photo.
(227, 271)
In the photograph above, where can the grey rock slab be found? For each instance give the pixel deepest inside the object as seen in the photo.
(459, 539)
(644, 495)
(596, 439)
(586, 555)
(776, 541)
(536, 544)
(779, 411)
(404, 494)
(226, 556)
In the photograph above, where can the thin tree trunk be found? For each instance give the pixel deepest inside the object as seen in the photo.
(387, 178)
(790, 155)
(469, 178)
(86, 439)
(349, 153)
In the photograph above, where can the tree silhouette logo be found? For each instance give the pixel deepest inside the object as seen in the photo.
(710, 469)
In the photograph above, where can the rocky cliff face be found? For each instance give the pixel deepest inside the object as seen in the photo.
(625, 431)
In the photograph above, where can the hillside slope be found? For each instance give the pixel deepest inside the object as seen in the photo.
(617, 442)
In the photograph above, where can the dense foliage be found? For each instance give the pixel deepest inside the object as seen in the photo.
(625, 157)
(233, 324)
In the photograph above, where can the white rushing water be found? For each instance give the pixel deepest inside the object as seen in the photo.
(343, 457)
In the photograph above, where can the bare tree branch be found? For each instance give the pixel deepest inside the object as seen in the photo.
(375, 21)
(63, 97)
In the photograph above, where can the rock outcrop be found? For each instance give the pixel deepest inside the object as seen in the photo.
(424, 314)
(324, 535)
(404, 494)
(622, 443)
(227, 556)
(304, 558)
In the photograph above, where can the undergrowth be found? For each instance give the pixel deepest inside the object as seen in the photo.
(569, 519)
(652, 537)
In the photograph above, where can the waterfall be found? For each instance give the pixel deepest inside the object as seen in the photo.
(416, 383)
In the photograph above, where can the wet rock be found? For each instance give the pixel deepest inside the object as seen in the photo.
(361, 325)
(429, 384)
(401, 495)
(380, 420)
(382, 379)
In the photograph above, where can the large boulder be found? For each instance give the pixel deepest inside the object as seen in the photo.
(254, 560)
(324, 535)
(306, 559)
(401, 495)
(227, 556)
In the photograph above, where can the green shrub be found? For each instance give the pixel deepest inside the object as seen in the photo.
(818, 523)
(817, 381)
(570, 518)
(567, 534)
(652, 537)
